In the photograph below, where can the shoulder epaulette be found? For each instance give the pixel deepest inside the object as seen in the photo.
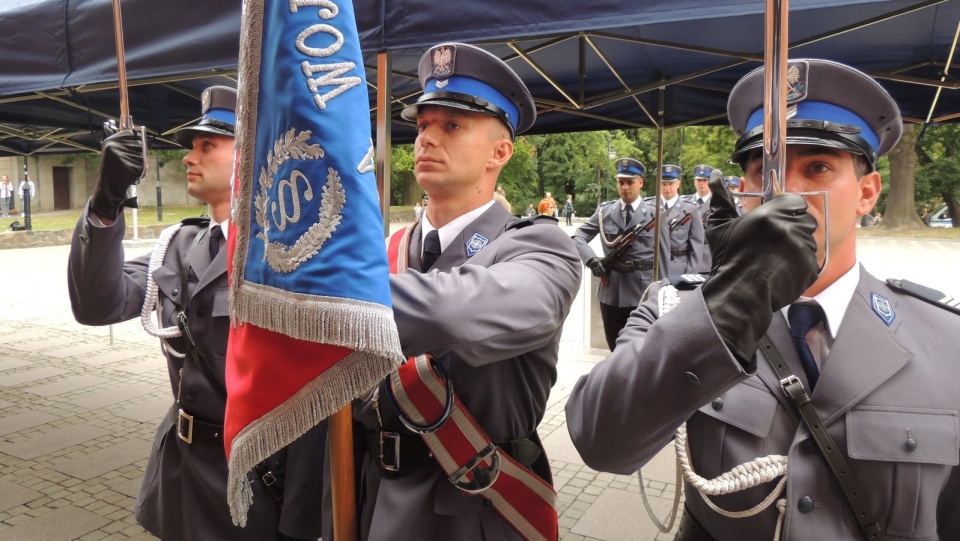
(925, 293)
(199, 221)
(533, 220)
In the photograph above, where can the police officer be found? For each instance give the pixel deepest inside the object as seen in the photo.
(867, 355)
(484, 293)
(183, 493)
(701, 198)
(732, 183)
(681, 220)
(627, 276)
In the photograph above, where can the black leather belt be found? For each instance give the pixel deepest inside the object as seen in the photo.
(192, 430)
(632, 266)
(402, 452)
(675, 253)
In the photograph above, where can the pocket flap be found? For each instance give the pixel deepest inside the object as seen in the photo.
(746, 407)
(221, 302)
(904, 435)
(169, 282)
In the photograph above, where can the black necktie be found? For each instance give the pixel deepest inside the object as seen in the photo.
(699, 201)
(215, 235)
(803, 318)
(431, 250)
(666, 207)
(629, 211)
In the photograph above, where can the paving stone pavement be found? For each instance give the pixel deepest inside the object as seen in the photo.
(79, 407)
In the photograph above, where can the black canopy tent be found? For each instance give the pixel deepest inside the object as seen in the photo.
(612, 64)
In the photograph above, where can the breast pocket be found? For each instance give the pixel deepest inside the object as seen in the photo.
(736, 430)
(904, 457)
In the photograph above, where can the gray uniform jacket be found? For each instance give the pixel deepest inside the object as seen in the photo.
(879, 387)
(183, 494)
(623, 289)
(704, 209)
(494, 321)
(687, 240)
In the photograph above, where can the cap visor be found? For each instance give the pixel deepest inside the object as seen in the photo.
(410, 113)
(185, 136)
(740, 153)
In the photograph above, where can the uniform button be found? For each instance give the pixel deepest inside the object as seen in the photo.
(176, 291)
(692, 379)
(805, 505)
(201, 312)
(487, 503)
(910, 445)
(717, 404)
(191, 395)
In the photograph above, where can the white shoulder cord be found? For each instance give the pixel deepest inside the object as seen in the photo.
(151, 302)
(748, 475)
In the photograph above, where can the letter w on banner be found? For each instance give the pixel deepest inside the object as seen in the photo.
(313, 326)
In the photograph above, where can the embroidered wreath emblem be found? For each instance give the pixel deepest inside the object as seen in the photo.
(281, 258)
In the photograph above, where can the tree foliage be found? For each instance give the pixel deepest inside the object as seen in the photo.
(938, 178)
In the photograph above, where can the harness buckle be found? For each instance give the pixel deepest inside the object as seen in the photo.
(185, 426)
(792, 387)
(483, 478)
(390, 451)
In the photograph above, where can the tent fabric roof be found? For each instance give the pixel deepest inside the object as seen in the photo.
(596, 68)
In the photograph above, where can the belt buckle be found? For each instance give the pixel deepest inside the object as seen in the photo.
(390, 452)
(185, 426)
(483, 478)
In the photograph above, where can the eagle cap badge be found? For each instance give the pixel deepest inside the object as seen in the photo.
(797, 81)
(443, 60)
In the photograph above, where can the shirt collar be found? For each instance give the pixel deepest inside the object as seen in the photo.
(672, 201)
(451, 230)
(706, 198)
(224, 226)
(635, 204)
(835, 299)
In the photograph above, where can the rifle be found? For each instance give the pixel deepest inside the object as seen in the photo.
(620, 245)
(677, 222)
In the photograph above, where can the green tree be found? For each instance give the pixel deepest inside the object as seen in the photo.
(939, 177)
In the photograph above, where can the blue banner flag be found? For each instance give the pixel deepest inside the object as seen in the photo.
(313, 326)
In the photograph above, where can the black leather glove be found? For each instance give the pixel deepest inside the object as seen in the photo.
(596, 267)
(762, 261)
(121, 164)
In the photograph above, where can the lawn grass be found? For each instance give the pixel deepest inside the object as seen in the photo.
(937, 233)
(67, 219)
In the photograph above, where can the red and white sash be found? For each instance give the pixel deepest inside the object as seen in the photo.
(464, 451)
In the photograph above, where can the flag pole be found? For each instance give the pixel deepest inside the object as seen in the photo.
(342, 481)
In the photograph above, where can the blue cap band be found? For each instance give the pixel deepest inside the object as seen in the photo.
(631, 170)
(818, 110)
(473, 87)
(221, 115)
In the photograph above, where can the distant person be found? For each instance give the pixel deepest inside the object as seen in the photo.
(501, 197)
(549, 196)
(877, 218)
(547, 207)
(624, 278)
(925, 215)
(530, 212)
(568, 209)
(6, 195)
(417, 212)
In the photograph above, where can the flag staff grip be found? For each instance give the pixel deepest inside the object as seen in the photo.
(342, 475)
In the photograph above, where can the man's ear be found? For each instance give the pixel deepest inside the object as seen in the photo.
(502, 152)
(870, 186)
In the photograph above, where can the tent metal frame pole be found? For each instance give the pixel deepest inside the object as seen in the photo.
(384, 119)
(946, 73)
(657, 247)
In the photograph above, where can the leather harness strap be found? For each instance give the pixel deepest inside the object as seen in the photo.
(425, 402)
(852, 490)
